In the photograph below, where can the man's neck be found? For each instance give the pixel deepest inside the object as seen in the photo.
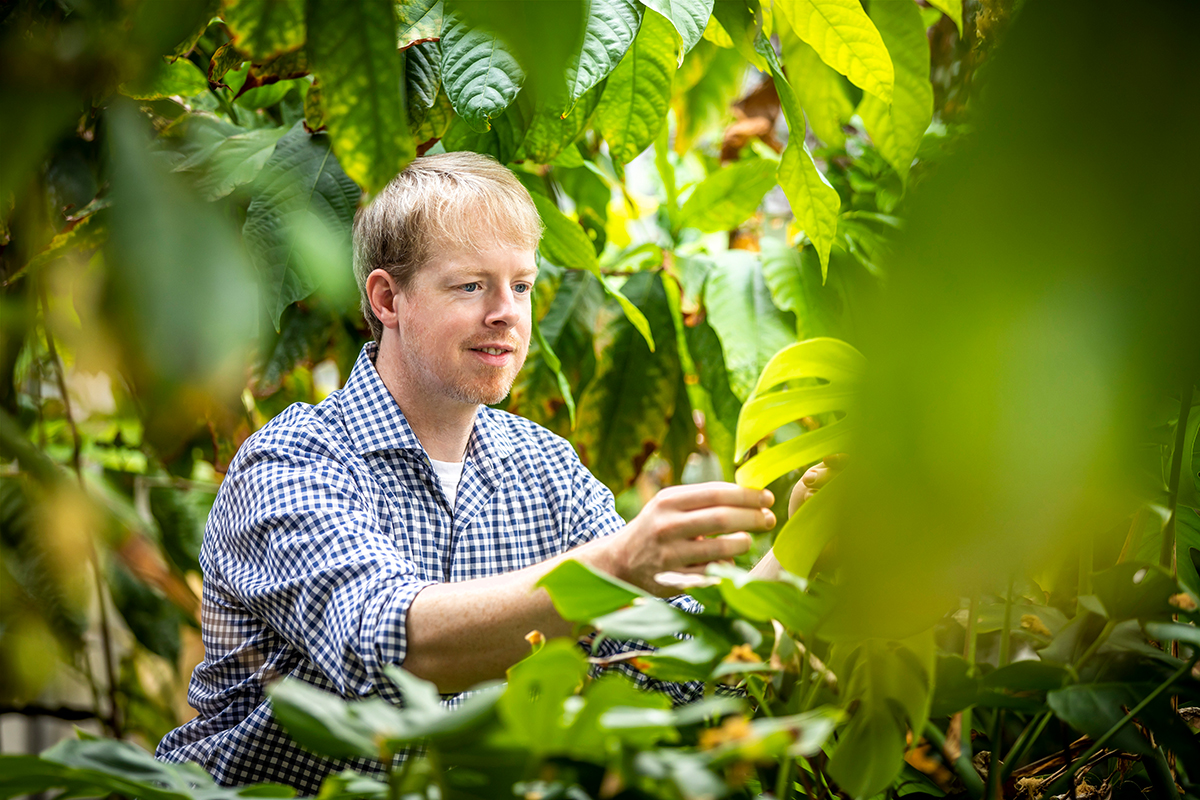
(443, 427)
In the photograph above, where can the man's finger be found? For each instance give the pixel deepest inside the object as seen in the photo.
(721, 519)
(715, 493)
(837, 461)
(717, 548)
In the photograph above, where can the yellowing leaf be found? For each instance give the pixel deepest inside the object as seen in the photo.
(845, 39)
(952, 9)
(262, 29)
(897, 131)
(819, 88)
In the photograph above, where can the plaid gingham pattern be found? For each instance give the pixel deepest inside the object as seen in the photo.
(329, 522)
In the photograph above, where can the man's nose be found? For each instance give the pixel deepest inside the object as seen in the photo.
(504, 310)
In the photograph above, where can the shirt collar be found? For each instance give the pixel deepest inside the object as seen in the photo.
(376, 423)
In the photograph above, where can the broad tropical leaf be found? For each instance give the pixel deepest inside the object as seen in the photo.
(845, 39)
(822, 376)
(300, 183)
(740, 310)
(168, 78)
(231, 162)
(352, 47)
(818, 87)
(625, 409)
(479, 73)
(638, 92)
(418, 20)
(550, 132)
(952, 9)
(729, 196)
(897, 130)
(262, 29)
(814, 201)
(422, 79)
(611, 28)
(688, 17)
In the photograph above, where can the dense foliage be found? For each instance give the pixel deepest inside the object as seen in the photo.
(773, 231)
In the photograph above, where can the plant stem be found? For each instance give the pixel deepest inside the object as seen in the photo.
(993, 780)
(1167, 553)
(1095, 645)
(1006, 631)
(1160, 774)
(783, 781)
(1068, 776)
(1028, 736)
(962, 764)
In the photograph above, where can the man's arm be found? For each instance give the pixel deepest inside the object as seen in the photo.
(462, 633)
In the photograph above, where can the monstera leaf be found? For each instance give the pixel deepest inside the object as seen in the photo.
(810, 378)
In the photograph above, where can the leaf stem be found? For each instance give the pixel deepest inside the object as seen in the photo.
(962, 764)
(1006, 631)
(1094, 646)
(783, 781)
(1068, 776)
(1020, 747)
(993, 779)
(1166, 555)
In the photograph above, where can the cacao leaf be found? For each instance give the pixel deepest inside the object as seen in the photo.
(263, 29)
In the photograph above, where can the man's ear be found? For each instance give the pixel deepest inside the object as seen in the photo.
(382, 292)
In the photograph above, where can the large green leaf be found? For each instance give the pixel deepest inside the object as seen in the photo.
(897, 129)
(168, 78)
(581, 594)
(532, 707)
(479, 73)
(729, 196)
(422, 79)
(750, 327)
(565, 244)
(550, 131)
(845, 39)
(888, 685)
(417, 20)
(823, 376)
(262, 29)
(688, 17)
(611, 27)
(1094, 708)
(783, 599)
(352, 47)
(819, 88)
(814, 201)
(638, 92)
(625, 410)
(705, 349)
(1135, 591)
(231, 162)
(300, 183)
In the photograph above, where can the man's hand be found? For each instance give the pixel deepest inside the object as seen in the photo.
(814, 479)
(684, 528)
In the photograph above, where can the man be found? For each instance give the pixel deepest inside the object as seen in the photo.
(402, 521)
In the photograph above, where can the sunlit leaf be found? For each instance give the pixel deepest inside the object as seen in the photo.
(688, 17)
(611, 27)
(352, 47)
(845, 39)
(479, 73)
(417, 20)
(262, 29)
(729, 196)
(550, 133)
(532, 706)
(897, 130)
(740, 310)
(818, 87)
(182, 78)
(580, 593)
(638, 92)
(952, 9)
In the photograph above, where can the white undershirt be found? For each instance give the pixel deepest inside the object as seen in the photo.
(449, 473)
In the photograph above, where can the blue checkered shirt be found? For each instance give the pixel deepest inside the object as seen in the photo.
(329, 522)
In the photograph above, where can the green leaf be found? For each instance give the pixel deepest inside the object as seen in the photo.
(422, 79)
(1189, 478)
(897, 130)
(154, 623)
(437, 120)
(269, 94)
(231, 162)
(1094, 708)
(587, 736)
(841, 369)
(814, 201)
(301, 183)
(845, 39)
(1134, 590)
(741, 25)
(352, 48)
(553, 363)
(322, 721)
(565, 244)
(479, 73)
(638, 92)
(688, 17)
(888, 687)
(262, 29)
(650, 620)
(532, 705)
(818, 87)
(750, 327)
(611, 27)
(729, 196)
(417, 20)
(580, 593)
(952, 9)
(624, 411)
(182, 78)
(783, 599)
(551, 132)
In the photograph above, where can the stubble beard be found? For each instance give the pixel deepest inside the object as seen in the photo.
(466, 391)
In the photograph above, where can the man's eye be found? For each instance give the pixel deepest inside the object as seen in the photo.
(523, 288)
(469, 287)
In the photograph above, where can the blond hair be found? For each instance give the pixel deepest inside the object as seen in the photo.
(459, 199)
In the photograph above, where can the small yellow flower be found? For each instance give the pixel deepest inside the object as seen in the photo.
(1033, 624)
(734, 729)
(742, 654)
(1183, 601)
(535, 638)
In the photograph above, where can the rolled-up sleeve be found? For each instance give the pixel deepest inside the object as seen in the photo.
(302, 547)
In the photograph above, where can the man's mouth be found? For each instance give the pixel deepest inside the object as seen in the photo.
(492, 351)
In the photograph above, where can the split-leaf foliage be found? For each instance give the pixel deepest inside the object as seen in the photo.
(774, 231)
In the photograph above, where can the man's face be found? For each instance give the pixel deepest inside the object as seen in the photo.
(464, 324)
